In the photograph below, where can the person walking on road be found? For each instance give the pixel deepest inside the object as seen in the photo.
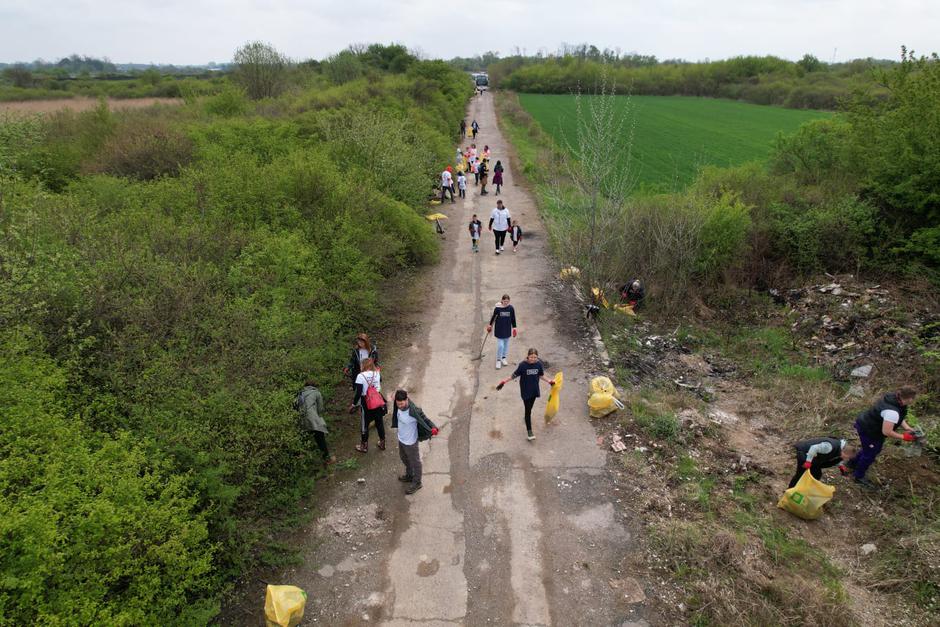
(500, 223)
(498, 176)
(515, 234)
(476, 228)
(463, 128)
(484, 175)
(503, 325)
(309, 404)
(529, 372)
(405, 418)
(447, 185)
(369, 378)
(474, 129)
(877, 423)
(362, 349)
(461, 184)
(818, 453)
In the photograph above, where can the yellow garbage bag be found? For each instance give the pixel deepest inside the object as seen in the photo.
(603, 399)
(807, 497)
(551, 407)
(284, 606)
(600, 298)
(625, 308)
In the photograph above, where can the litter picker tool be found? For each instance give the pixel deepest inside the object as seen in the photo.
(482, 344)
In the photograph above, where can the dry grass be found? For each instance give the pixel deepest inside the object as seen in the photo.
(43, 107)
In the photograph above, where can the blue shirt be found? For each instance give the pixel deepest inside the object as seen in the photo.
(407, 426)
(529, 378)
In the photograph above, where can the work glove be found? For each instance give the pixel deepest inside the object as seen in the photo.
(489, 328)
(499, 386)
(908, 437)
(514, 333)
(552, 382)
(843, 469)
(434, 431)
(807, 465)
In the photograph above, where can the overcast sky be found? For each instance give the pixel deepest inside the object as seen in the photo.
(199, 31)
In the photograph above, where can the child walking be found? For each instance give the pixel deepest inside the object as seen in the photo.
(529, 372)
(462, 184)
(515, 234)
(504, 320)
(476, 228)
(498, 176)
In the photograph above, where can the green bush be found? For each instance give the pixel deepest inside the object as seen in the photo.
(93, 529)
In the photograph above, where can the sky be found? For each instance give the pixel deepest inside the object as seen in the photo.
(200, 31)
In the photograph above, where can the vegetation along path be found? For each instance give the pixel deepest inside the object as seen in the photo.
(504, 530)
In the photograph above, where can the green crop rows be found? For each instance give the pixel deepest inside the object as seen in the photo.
(675, 135)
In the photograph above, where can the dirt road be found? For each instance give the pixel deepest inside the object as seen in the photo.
(505, 531)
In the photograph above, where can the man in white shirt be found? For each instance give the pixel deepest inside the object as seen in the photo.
(447, 185)
(405, 418)
(876, 424)
(500, 223)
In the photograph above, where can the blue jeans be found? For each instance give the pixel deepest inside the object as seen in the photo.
(868, 451)
(502, 347)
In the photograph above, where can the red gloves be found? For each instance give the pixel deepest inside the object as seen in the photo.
(807, 464)
(514, 333)
(908, 437)
(500, 385)
(843, 469)
(434, 431)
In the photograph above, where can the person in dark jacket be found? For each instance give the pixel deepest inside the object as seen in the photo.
(463, 128)
(529, 373)
(405, 417)
(818, 453)
(483, 169)
(362, 349)
(515, 234)
(632, 293)
(881, 421)
(498, 175)
(309, 404)
(503, 325)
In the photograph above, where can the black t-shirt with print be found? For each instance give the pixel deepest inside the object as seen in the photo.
(529, 378)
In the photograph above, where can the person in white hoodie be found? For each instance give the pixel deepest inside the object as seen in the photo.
(500, 223)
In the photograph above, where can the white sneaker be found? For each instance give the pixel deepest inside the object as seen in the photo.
(497, 251)
(530, 436)
(505, 361)
(499, 364)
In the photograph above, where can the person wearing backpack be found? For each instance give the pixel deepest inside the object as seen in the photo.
(362, 349)
(413, 426)
(310, 407)
(372, 407)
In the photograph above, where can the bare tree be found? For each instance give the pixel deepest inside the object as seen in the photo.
(260, 69)
(590, 185)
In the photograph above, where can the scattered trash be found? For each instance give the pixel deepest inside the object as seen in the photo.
(868, 549)
(604, 397)
(284, 606)
(617, 444)
(862, 371)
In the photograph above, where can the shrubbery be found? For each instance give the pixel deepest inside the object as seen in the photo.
(160, 308)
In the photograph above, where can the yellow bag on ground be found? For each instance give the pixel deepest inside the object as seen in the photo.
(600, 298)
(603, 399)
(624, 308)
(284, 606)
(807, 497)
(551, 407)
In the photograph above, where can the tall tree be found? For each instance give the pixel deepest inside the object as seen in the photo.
(260, 69)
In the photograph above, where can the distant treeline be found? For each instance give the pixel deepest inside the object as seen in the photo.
(805, 84)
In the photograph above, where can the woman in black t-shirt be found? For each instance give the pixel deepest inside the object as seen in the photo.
(529, 372)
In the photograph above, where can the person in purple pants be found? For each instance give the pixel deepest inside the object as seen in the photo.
(878, 423)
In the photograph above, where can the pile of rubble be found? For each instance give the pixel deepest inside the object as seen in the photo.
(852, 328)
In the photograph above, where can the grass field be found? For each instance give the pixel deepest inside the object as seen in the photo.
(675, 135)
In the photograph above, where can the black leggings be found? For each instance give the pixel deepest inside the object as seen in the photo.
(500, 238)
(369, 416)
(320, 438)
(814, 470)
(528, 402)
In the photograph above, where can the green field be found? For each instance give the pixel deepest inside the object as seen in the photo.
(676, 135)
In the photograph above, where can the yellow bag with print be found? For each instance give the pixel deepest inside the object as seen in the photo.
(807, 497)
(551, 407)
(284, 606)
